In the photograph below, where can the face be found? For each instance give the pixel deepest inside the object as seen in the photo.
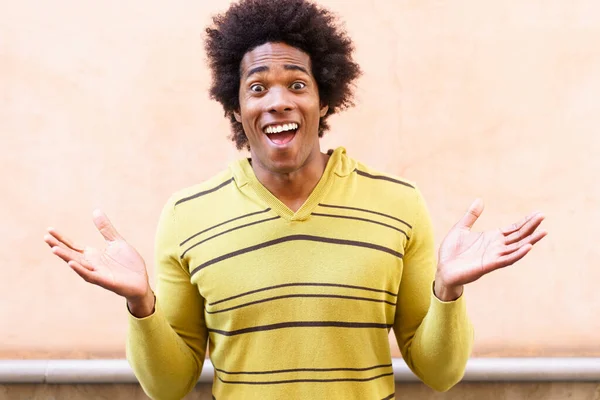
(280, 108)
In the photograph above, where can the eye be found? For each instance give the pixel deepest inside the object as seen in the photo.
(298, 85)
(257, 88)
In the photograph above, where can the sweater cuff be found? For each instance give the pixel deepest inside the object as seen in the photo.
(145, 324)
(447, 307)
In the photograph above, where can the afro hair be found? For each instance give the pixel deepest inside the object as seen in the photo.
(298, 23)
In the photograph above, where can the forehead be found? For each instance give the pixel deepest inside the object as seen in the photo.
(271, 54)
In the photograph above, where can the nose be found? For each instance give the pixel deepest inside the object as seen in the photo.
(279, 101)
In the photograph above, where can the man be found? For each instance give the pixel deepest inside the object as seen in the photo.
(294, 264)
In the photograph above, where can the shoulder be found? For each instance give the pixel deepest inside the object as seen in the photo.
(388, 193)
(384, 181)
(367, 178)
(194, 207)
(385, 186)
(200, 194)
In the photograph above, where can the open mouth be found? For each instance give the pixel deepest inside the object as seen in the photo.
(281, 134)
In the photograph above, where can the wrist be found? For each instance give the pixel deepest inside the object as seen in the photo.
(141, 307)
(446, 292)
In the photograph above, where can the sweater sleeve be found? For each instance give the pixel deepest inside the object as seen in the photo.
(435, 337)
(166, 349)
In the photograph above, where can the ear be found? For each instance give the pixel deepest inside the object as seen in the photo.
(323, 111)
(237, 116)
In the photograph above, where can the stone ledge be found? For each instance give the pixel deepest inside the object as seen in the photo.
(478, 370)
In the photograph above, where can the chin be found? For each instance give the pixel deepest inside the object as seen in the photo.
(284, 166)
(284, 159)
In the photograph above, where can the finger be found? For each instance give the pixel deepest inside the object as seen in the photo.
(537, 237)
(526, 229)
(52, 241)
(63, 239)
(516, 226)
(86, 274)
(530, 240)
(509, 259)
(68, 255)
(105, 227)
(61, 252)
(472, 214)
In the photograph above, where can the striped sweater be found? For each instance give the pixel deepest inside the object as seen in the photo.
(297, 305)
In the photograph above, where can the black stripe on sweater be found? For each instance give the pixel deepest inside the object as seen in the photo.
(307, 380)
(229, 230)
(367, 211)
(227, 182)
(223, 223)
(361, 219)
(383, 178)
(329, 296)
(302, 284)
(293, 238)
(301, 324)
(281, 371)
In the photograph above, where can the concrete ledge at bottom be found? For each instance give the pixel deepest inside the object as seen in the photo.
(478, 370)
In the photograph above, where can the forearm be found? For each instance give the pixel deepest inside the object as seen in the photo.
(166, 367)
(441, 346)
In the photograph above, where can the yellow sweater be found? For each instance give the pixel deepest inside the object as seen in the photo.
(297, 305)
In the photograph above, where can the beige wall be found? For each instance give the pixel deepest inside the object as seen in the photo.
(104, 104)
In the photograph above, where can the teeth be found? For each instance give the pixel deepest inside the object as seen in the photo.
(280, 128)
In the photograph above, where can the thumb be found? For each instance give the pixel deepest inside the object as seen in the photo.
(472, 214)
(104, 226)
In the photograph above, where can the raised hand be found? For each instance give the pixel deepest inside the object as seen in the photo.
(119, 268)
(466, 256)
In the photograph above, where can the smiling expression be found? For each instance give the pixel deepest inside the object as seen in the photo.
(280, 108)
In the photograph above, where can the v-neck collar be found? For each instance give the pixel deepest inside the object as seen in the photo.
(338, 164)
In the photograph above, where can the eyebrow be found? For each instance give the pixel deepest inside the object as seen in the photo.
(256, 70)
(289, 67)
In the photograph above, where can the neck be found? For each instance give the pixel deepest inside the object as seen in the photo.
(293, 188)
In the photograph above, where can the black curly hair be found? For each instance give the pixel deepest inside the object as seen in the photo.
(298, 23)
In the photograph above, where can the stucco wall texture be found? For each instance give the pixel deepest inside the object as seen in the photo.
(105, 104)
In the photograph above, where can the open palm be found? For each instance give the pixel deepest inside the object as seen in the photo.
(466, 256)
(118, 268)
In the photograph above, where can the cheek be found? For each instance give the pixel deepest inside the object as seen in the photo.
(314, 111)
(249, 116)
